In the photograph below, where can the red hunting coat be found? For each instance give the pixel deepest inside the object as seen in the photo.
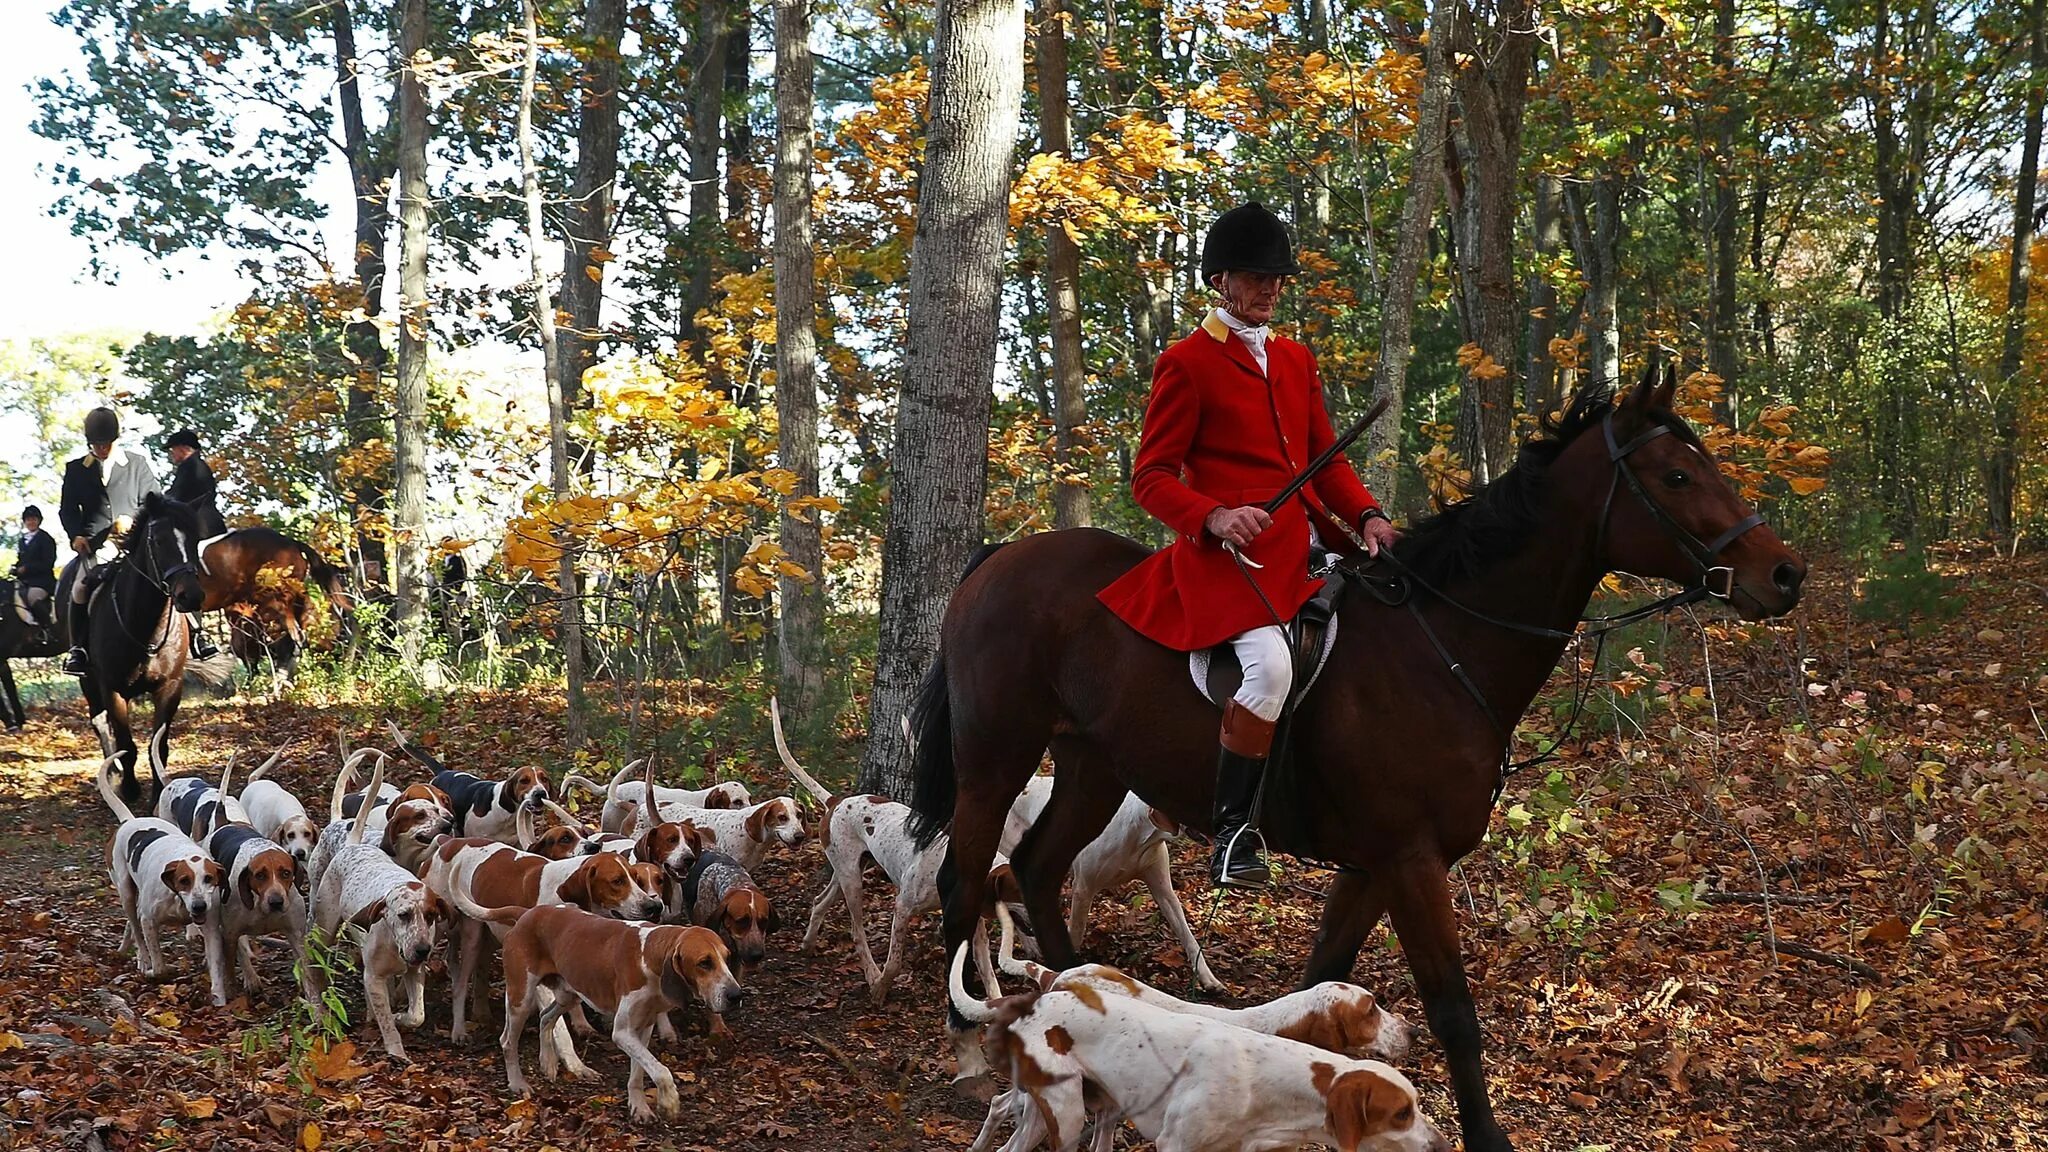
(1219, 434)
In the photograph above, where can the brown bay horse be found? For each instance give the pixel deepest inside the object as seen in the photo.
(260, 576)
(1404, 759)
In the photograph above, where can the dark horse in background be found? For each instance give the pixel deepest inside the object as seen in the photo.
(1398, 759)
(260, 577)
(137, 635)
(18, 638)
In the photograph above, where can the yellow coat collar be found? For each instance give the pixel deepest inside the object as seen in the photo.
(1215, 327)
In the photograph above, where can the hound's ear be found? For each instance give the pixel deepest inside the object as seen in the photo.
(169, 876)
(757, 824)
(369, 915)
(217, 874)
(247, 889)
(298, 872)
(694, 837)
(576, 889)
(715, 920)
(774, 921)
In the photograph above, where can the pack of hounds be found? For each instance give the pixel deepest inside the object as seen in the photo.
(654, 911)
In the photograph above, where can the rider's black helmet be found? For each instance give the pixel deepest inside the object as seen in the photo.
(1248, 238)
(183, 437)
(31, 510)
(102, 426)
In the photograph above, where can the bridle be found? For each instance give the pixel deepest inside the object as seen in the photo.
(1715, 581)
(160, 579)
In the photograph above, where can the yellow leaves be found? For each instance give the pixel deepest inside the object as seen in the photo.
(309, 1137)
(165, 1019)
(1114, 188)
(1806, 485)
(202, 1108)
(593, 273)
(1478, 364)
(9, 1041)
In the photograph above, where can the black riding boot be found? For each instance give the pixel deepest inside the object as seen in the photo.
(75, 660)
(202, 648)
(1237, 861)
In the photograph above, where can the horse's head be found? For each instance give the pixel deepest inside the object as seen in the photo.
(1671, 514)
(163, 544)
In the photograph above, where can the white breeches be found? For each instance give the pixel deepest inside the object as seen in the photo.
(1268, 671)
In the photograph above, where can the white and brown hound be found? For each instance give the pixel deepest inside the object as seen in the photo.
(277, 815)
(397, 915)
(622, 796)
(1188, 1083)
(197, 807)
(405, 823)
(164, 879)
(635, 973)
(475, 872)
(746, 834)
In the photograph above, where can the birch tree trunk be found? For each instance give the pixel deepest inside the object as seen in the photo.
(542, 302)
(1062, 283)
(1411, 245)
(409, 449)
(2002, 472)
(707, 111)
(938, 472)
(801, 623)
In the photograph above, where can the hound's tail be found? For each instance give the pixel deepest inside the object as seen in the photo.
(264, 768)
(974, 1010)
(104, 778)
(824, 795)
(509, 914)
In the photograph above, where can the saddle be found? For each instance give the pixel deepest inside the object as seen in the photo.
(1310, 636)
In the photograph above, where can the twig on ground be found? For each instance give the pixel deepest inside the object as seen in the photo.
(1718, 897)
(1788, 948)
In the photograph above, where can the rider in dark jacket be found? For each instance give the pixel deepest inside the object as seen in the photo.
(35, 564)
(192, 480)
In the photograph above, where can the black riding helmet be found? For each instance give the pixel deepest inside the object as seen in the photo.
(102, 426)
(183, 437)
(31, 510)
(1248, 238)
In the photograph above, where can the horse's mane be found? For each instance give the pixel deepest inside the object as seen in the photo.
(1494, 521)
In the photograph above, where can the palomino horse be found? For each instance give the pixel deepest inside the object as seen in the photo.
(137, 639)
(260, 577)
(1403, 753)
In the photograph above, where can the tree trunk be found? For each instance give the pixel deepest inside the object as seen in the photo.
(1544, 390)
(1411, 246)
(2002, 473)
(707, 107)
(739, 130)
(800, 626)
(1062, 284)
(1723, 354)
(1493, 89)
(370, 179)
(587, 216)
(409, 421)
(938, 472)
(543, 303)
(1596, 243)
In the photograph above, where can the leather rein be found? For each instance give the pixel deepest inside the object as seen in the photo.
(1715, 581)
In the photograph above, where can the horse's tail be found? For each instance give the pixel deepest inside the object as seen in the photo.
(934, 787)
(215, 671)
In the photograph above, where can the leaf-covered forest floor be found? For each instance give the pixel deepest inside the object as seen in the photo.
(1885, 785)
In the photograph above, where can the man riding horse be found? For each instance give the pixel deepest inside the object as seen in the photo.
(192, 480)
(1235, 413)
(103, 491)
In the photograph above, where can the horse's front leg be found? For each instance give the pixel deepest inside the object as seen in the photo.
(1350, 913)
(117, 738)
(1419, 897)
(10, 703)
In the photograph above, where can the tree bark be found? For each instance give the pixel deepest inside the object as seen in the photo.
(801, 624)
(1411, 246)
(1596, 243)
(560, 469)
(2002, 473)
(707, 109)
(1723, 352)
(410, 409)
(739, 131)
(938, 472)
(370, 180)
(1062, 284)
(587, 217)
(1493, 90)
(1545, 391)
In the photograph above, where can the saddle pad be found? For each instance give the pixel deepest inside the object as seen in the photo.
(1217, 675)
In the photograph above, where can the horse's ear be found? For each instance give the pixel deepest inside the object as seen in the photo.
(1642, 398)
(152, 503)
(1667, 392)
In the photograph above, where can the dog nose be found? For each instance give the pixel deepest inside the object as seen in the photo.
(277, 903)
(418, 953)
(199, 907)
(1787, 576)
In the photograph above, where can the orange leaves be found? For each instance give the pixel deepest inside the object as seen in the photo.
(1113, 188)
(1478, 364)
